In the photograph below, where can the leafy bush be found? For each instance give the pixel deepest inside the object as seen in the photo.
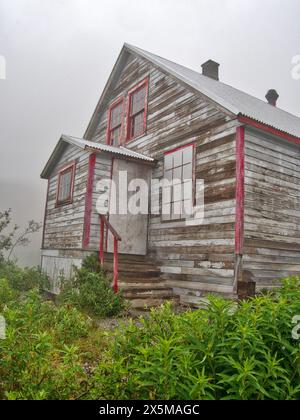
(90, 290)
(222, 352)
(39, 358)
(226, 351)
(6, 293)
(23, 279)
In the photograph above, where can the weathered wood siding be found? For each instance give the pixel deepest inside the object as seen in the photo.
(64, 224)
(272, 208)
(198, 258)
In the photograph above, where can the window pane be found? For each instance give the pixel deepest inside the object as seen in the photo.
(188, 190)
(115, 136)
(187, 154)
(187, 207)
(138, 100)
(116, 116)
(166, 211)
(187, 172)
(168, 161)
(137, 125)
(65, 185)
(176, 210)
(167, 195)
(177, 174)
(177, 192)
(177, 158)
(168, 175)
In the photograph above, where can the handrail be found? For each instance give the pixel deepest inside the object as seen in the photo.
(109, 226)
(117, 237)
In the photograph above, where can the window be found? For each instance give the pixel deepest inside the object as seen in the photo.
(137, 110)
(115, 123)
(65, 185)
(178, 184)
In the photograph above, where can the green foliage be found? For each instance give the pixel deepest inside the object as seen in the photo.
(90, 291)
(22, 279)
(226, 351)
(7, 294)
(39, 359)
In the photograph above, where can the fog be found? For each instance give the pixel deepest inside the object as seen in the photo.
(58, 55)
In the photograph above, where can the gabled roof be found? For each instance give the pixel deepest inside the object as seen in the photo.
(119, 152)
(233, 100)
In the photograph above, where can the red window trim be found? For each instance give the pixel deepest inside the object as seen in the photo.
(179, 148)
(65, 168)
(112, 106)
(144, 82)
(193, 174)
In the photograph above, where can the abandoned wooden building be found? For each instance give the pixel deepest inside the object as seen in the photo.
(157, 119)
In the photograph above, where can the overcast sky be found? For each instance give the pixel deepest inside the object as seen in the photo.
(59, 54)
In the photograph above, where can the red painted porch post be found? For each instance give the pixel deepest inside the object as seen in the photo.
(115, 283)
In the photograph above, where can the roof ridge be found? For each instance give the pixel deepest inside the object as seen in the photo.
(229, 97)
(206, 77)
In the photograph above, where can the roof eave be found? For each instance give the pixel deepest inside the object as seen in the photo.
(152, 162)
(260, 125)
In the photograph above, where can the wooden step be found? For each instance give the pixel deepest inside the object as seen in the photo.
(139, 259)
(139, 280)
(145, 294)
(146, 286)
(131, 264)
(154, 272)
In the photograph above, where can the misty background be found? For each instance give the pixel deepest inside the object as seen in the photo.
(59, 54)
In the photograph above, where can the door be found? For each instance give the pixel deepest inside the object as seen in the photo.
(133, 228)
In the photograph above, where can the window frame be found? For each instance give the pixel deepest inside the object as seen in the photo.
(193, 199)
(116, 103)
(142, 83)
(70, 166)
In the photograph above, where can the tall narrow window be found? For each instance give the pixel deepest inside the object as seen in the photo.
(137, 110)
(115, 123)
(65, 185)
(178, 187)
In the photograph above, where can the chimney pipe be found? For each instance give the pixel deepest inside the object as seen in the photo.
(272, 97)
(211, 69)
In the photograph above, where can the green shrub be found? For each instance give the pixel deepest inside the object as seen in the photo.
(222, 352)
(90, 291)
(226, 351)
(39, 358)
(7, 294)
(23, 279)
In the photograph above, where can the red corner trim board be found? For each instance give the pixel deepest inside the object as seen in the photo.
(240, 189)
(89, 201)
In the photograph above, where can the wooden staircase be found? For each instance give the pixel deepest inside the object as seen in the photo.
(139, 280)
